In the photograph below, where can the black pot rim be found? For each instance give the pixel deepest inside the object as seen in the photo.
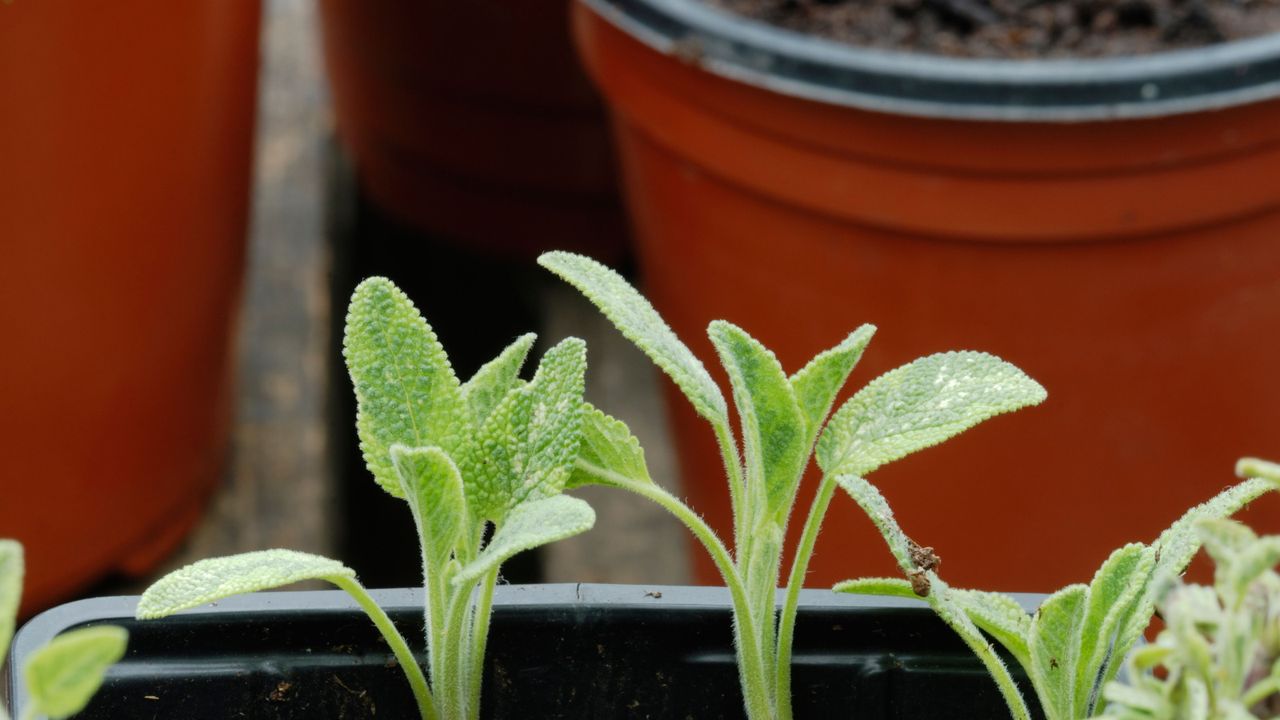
(1070, 90)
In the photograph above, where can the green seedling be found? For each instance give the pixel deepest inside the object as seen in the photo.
(1077, 640)
(782, 419)
(62, 676)
(1218, 657)
(496, 450)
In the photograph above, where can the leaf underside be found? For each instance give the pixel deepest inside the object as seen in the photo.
(530, 525)
(216, 578)
(608, 449)
(636, 319)
(433, 487)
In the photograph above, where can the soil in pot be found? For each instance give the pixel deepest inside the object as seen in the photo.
(1020, 28)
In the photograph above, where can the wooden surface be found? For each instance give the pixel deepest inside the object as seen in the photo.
(280, 484)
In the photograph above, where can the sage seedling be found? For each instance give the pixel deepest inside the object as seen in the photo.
(1079, 637)
(496, 450)
(782, 419)
(62, 676)
(1218, 657)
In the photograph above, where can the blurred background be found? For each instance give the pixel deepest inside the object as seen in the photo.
(189, 196)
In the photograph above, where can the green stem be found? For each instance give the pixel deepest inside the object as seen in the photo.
(409, 664)
(750, 661)
(480, 638)
(437, 632)
(790, 606)
(733, 470)
(995, 668)
(452, 680)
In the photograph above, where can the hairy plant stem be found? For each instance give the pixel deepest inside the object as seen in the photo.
(733, 470)
(795, 581)
(480, 638)
(751, 665)
(408, 663)
(996, 669)
(450, 676)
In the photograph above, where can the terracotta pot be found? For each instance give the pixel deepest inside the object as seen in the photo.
(1109, 226)
(126, 141)
(473, 122)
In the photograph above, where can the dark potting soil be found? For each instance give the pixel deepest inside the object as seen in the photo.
(1020, 28)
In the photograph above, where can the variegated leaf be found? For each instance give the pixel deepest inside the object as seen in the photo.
(920, 405)
(495, 379)
(526, 449)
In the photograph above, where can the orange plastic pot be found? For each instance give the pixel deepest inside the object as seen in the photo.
(124, 168)
(1109, 226)
(473, 122)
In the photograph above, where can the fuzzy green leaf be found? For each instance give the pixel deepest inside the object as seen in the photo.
(886, 587)
(1223, 538)
(773, 426)
(1250, 563)
(1113, 594)
(11, 572)
(636, 319)
(433, 487)
(608, 450)
(818, 383)
(944, 602)
(1001, 617)
(495, 379)
(406, 391)
(938, 594)
(877, 509)
(527, 447)
(920, 405)
(216, 578)
(62, 677)
(1255, 468)
(1176, 546)
(1055, 649)
(530, 525)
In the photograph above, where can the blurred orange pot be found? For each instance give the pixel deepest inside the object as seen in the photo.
(472, 121)
(124, 168)
(1109, 226)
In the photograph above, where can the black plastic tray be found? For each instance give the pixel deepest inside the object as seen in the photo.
(556, 651)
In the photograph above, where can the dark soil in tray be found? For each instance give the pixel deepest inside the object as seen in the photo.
(1020, 28)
